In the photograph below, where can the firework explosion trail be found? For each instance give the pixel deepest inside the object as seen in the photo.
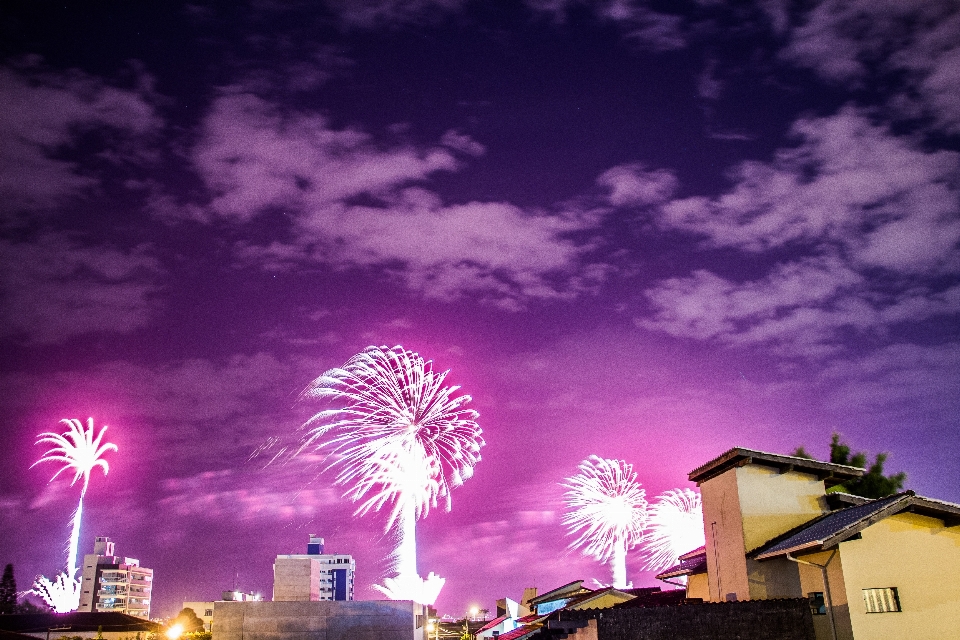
(400, 439)
(608, 512)
(674, 527)
(79, 450)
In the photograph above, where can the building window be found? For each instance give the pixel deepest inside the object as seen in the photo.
(881, 600)
(208, 613)
(817, 604)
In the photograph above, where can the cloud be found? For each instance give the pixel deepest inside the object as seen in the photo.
(347, 202)
(41, 115)
(632, 184)
(253, 157)
(849, 184)
(860, 227)
(641, 24)
(861, 41)
(55, 289)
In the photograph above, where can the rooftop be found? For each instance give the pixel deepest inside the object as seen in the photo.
(833, 528)
(831, 473)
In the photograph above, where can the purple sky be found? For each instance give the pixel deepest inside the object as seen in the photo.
(630, 229)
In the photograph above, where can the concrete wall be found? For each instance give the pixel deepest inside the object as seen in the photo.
(921, 558)
(296, 580)
(323, 620)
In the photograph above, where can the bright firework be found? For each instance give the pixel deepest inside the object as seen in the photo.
(400, 438)
(62, 595)
(80, 451)
(674, 527)
(608, 512)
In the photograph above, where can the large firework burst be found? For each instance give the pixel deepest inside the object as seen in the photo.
(674, 527)
(400, 438)
(607, 511)
(79, 450)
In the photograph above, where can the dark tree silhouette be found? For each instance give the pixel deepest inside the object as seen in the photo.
(873, 483)
(8, 591)
(190, 620)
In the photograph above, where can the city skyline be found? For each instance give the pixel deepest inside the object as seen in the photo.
(643, 231)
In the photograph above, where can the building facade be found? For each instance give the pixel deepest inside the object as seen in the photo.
(870, 569)
(313, 576)
(111, 583)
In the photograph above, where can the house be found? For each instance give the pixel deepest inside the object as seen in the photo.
(83, 624)
(871, 569)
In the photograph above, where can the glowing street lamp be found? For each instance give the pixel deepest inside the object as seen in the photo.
(175, 631)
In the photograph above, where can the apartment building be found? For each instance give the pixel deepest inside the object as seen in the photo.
(114, 583)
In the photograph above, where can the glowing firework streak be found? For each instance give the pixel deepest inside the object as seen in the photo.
(674, 527)
(400, 439)
(62, 595)
(608, 511)
(80, 451)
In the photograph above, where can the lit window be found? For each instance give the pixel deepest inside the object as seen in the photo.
(881, 600)
(817, 604)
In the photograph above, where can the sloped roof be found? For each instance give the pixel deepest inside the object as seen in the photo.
(583, 599)
(519, 633)
(690, 563)
(493, 623)
(833, 528)
(829, 472)
(76, 621)
(566, 591)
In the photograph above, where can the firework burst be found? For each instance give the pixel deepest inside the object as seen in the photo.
(607, 512)
(61, 594)
(399, 439)
(674, 527)
(79, 450)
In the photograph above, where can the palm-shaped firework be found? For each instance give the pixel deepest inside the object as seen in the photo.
(80, 451)
(674, 527)
(607, 511)
(400, 438)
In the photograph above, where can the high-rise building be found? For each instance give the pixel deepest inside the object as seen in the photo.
(313, 576)
(114, 583)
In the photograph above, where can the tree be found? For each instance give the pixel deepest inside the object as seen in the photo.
(190, 621)
(8, 591)
(873, 483)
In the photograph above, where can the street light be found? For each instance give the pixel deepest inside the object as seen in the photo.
(175, 631)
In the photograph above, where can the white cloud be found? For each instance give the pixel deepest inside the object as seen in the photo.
(633, 184)
(255, 159)
(40, 113)
(849, 184)
(853, 41)
(55, 289)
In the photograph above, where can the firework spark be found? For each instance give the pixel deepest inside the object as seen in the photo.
(80, 451)
(608, 512)
(400, 438)
(62, 594)
(674, 527)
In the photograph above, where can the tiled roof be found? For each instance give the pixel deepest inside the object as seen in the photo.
(587, 597)
(519, 633)
(692, 564)
(77, 621)
(837, 526)
(699, 551)
(493, 623)
(566, 591)
(738, 456)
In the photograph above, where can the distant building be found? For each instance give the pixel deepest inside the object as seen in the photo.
(111, 583)
(204, 611)
(313, 576)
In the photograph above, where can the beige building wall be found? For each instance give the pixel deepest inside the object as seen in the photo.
(296, 580)
(745, 507)
(811, 581)
(698, 586)
(921, 558)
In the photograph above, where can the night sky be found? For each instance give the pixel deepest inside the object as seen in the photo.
(643, 230)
